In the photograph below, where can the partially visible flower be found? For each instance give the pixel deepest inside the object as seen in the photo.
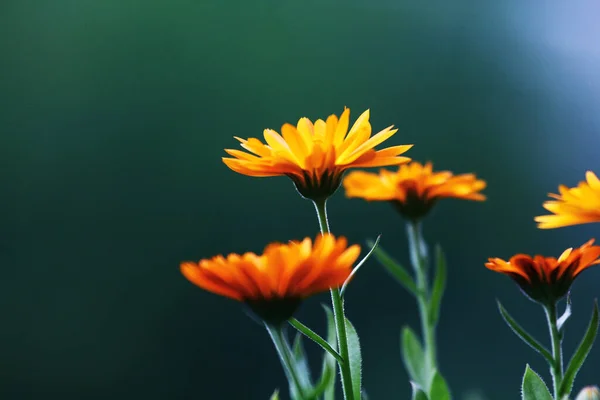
(273, 284)
(547, 279)
(573, 206)
(414, 188)
(315, 156)
(589, 393)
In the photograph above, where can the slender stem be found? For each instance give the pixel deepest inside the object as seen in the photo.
(338, 312)
(557, 367)
(419, 259)
(283, 350)
(321, 208)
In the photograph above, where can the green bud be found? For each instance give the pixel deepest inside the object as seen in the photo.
(589, 393)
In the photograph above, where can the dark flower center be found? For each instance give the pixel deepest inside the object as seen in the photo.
(274, 311)
(414, 207)
(317, 187)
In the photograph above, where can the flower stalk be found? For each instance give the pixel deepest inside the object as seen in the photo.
(419, 259)
(557, 366)
(338, 312)
(285, 356)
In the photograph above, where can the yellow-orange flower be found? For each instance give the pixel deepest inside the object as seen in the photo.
(547, 279)
(315, 156)
(573, 206)
(414, 188)
(274, 283)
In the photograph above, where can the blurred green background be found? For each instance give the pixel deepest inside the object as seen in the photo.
(114, 115)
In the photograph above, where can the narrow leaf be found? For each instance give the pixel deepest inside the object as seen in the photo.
(413, 356)
(329, 361)
(354, 358)
(275, 395)
(360, 264)
(301, 362)
(439, 388)
(365, 396)
(533, 387)
(580, 355)
(439, 285)
(523, 335)
(325, 381)
(417, 392)
(306, 331)
(395, 269)
(561, 321)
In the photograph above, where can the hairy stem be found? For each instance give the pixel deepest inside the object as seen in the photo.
(338, 312)
(557, 367)
(285, 356)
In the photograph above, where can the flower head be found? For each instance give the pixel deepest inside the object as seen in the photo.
(573, 206)
(589, 393)
(315, 155)
(414, 188)
(547, 279)
(274, 283)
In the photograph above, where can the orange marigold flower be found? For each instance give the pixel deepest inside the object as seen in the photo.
(274, 283)
(547, 279)
(315, 156)
(573, 206)
(414, 188)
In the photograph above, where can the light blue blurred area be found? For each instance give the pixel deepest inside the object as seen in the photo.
(113, 119)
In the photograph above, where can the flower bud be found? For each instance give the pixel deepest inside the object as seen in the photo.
(589, 393)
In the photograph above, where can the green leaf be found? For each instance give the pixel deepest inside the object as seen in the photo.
(580, 355)
(329, 362)
(417, 392)
(439, 388)
(301, 362)
(360, 264)
(395, 269)
(354, 358)
(561, 321)
(326, 380)
(306, 331)
(533, 387)
(413, 356)
(275, 395)
(524, 336)
(439, 285)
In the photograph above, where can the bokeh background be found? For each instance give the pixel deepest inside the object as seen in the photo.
(113, 119)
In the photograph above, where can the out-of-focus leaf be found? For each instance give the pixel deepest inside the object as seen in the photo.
(395, 269)
(439, 285)
(413, 357)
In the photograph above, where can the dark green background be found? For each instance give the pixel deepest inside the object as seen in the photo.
(113, 118)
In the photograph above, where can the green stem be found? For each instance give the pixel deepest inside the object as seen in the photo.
(419, 259)
(557, 367)
(285, 356)
(338, 311)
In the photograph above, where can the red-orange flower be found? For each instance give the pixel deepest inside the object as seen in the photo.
(414, 188)
(573, 206)
(547, 279)
(315, 156)
(274, 283)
